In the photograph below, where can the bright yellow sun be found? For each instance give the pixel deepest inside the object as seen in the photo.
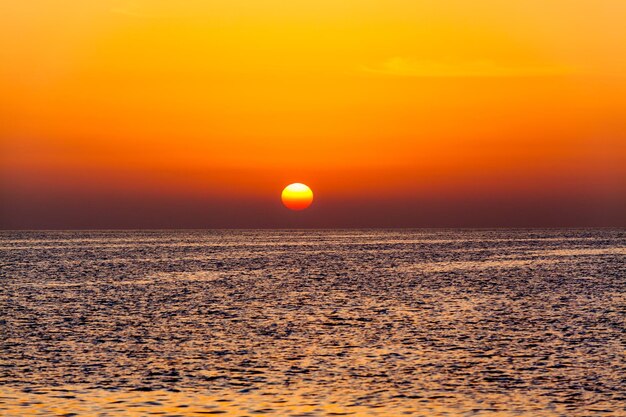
(297, 196)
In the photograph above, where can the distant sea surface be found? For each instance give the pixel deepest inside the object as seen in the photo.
(307, 323)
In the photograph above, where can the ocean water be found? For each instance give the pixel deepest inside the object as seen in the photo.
(307, 323)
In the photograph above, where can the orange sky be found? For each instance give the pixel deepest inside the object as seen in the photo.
(200, 106)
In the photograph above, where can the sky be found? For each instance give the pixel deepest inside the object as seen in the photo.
(397, 113)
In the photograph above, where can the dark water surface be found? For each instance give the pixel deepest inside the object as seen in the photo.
(372, 322)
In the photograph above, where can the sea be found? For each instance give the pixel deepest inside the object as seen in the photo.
(441, 322)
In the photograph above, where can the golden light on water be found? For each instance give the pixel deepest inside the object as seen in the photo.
(297, 196)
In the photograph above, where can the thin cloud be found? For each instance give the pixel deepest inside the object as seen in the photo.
(406, 67)
(131, 9)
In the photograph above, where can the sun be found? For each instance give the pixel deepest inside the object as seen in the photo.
(297, 196)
